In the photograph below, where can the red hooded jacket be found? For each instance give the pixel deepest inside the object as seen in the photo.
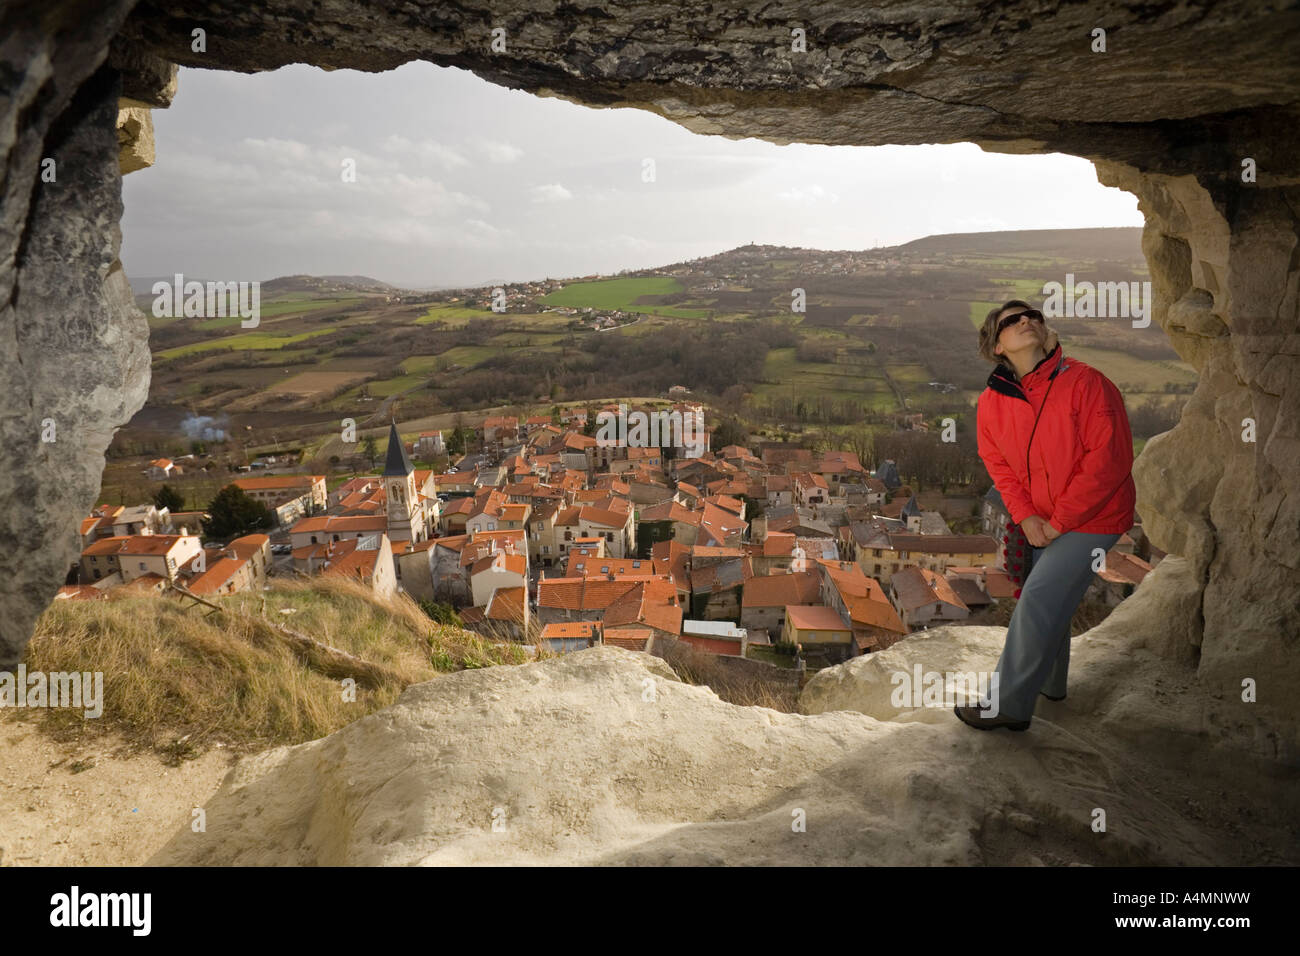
(1078, 471)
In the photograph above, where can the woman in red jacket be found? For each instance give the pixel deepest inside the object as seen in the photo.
(1054, 435)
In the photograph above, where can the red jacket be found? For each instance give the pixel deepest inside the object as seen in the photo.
(1078, 473)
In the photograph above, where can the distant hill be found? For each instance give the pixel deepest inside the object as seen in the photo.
(305, 283)
(143, 285)
(1123, 242)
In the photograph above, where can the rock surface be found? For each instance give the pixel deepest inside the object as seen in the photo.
(603, 757)
(1185, 94)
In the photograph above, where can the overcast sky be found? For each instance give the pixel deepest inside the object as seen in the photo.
(460, 182)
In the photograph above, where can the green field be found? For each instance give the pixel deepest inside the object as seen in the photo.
(423, 364)
(978, 310)
(468, 355)
(1133, 374)
(454, 316)
(278, 309)
(250, 340)
(803, 380)
(620, 294)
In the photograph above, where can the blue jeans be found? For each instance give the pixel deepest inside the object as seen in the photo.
(1036, 656)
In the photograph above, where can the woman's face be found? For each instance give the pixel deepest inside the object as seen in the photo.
(1019, 335)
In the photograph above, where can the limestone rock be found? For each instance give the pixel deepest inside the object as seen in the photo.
(581, 764)
(134, 138)
(871, 684)
(1182, 101)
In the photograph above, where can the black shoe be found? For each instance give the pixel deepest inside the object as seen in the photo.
(1050, 697)
(973, 715)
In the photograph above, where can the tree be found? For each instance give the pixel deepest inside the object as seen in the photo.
(169, 498)
(369, 450)
(233, 513)
(729, 432)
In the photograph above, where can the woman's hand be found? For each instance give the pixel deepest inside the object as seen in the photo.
(1037, 531)
(1049, 532)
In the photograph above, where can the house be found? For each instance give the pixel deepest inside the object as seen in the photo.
(779, 491)
(765, 598)
(891, 551)
(213, 573)
(994, 583)
(716, 637)
(623, 604)
(923, 598)
(820, 630)
(456, 514)
(560, 637)
(499, 430)
(496, 513)
(501, 567)
(311, 537)
(141, 518)
(506, 614)
(457, 482)
(430, 445)
(162, 468)
(811, 490)
(413, 565)
(588, 521)
(970, 588)
(353, 491)
(670, 520)
(432, 571)
(774, 553)
(133, 556)
(718, 526)
(368, 559)
(273, 490)
(861, 601)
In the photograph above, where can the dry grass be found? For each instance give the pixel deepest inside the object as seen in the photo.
(1087, 615)
(695, 666)
(179, 679)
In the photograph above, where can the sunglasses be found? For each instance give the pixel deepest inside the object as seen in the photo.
(1032, 314)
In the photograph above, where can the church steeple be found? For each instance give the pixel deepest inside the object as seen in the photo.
(397, 462)
(406, 512)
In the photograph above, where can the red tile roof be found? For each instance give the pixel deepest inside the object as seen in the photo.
(814, 618)
(779, 590)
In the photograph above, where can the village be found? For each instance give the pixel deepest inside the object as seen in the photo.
(545, 535)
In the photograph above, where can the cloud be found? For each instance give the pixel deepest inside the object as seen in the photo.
(551, 192)
(813, 193)
(425, 150)
(498, 152)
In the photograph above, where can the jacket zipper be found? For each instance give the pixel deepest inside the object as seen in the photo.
(1029, 475)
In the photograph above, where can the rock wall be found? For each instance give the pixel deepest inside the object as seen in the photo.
(77, 349)
(1181, 95)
